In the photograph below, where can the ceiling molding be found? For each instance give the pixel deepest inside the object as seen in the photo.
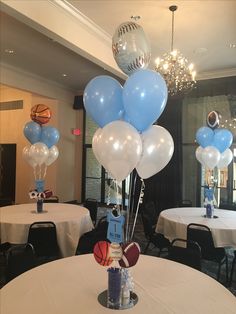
(83, 20)
(216, 74)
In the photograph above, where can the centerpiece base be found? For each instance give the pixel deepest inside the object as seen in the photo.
(102, 299)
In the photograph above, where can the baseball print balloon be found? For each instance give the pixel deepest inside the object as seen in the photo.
(130, 47)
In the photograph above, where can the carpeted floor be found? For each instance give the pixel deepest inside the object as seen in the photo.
(209, 268)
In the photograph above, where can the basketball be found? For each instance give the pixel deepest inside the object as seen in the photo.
(40, 114)
(130, 256)
(101, 253)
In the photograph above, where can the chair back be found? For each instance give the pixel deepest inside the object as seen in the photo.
(43, 236)
(189, 254)
(203, 236)
(149, 217)
(89, 239)
(92, 205)
(20, 258)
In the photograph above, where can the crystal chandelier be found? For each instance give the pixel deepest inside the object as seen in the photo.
(174, 67)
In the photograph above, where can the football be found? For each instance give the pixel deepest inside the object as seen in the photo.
(130, 256)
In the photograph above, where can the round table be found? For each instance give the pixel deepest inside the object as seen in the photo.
(71, 222)
(72, 285)
(173, 224)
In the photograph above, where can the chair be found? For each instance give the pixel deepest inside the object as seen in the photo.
(52, 199)
(232, 269)
(149, 217)
(20, 258)
(185, 203)
(203, 236)
(92, 205)
(189, 254)
(43, 236)
(89, 239)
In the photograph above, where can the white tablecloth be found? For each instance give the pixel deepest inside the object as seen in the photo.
(71, 222)
(173, 224)
(72, 285)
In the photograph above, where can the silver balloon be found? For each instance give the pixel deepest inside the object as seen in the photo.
(225, 159)
(131, 49)
(53, 155)
(210, 157)
(118, 148)
(158, 148)
(39, 153)
(25, 154)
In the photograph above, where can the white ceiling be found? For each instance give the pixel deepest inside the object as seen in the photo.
(204, 31)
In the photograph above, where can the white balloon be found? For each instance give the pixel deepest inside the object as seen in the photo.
(158, 148)
(225, 159)
(95, 145)
(39, 153)
(198, 154)
(25, 154)
(210, 157)
(53, 155)
(118, 148)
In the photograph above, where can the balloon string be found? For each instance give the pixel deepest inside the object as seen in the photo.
(45, 171)
(133, 187)
(137, 210)
(128, 207)
(117, 197)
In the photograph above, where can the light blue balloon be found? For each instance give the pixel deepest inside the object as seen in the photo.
(205, 136)
(223, 139)
(32, 132)
(145, 96)
(50, 136)
(103, 100)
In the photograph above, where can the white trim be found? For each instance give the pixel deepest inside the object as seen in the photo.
(216, 74)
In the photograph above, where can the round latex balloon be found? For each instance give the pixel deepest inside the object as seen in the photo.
(50, 136)
(158, 148)
(40, 113)
(205, 136)
(131, 48)
(213, 119)
(53, 155)
(95, 145)
(210, 157)
(103, 100)
(25, 154)
(38, 153)
(32, 132)
(198, 154)
(145, 96)
(223, 139)
(118, 148)
(225, 159)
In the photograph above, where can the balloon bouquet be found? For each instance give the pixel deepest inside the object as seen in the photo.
(213, 152)
(42, 152)
(126, 138)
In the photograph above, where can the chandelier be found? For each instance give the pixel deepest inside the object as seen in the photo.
(174, 67)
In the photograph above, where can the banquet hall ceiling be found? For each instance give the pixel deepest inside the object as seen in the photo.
(205, 32)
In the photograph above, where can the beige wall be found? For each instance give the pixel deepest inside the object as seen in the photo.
(64, 176)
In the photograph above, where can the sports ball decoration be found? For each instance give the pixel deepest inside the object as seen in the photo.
(101, 253)
(115, 251)
(130, 256)
(130, 47)
(40, 113)
(213, 119)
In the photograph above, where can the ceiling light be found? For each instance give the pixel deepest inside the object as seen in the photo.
(64, 75)
(174, 67)
(10, 51)
(232, 45)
